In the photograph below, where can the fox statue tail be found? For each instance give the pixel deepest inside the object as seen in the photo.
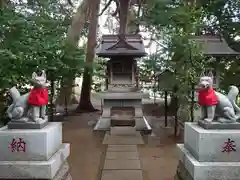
(232, 96)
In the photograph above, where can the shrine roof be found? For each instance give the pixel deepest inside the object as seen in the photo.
(110, 46)
(215, 46)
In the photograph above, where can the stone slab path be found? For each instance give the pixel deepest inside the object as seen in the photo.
(122, 160)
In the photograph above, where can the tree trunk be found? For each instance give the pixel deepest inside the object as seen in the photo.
(85, 104)
(66, 95)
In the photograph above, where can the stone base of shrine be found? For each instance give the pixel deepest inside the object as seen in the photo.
(141, 124)
(207, 170)
(55, 168)
(103, 124)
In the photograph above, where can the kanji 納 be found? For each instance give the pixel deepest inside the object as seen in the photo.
(18, 145)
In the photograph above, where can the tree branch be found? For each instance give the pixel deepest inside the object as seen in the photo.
(138, 15)
(106, 6)
(150, 41)
(70, 2)
(117, 9)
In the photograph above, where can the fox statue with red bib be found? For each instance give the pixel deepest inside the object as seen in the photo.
(215, 105)
(30, 106)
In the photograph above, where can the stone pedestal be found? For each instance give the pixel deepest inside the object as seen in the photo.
(126, 99)
(210, 154)
(33, 153)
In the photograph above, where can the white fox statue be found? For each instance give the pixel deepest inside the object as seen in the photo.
(215, 105)
(30, 106)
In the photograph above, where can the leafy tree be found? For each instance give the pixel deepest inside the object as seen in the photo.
(76, 30)
(33, 37)
(174, 24)
(223, 16)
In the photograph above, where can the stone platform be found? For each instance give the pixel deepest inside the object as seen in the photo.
(27, 125)
(63, 173)
(123, 136)
(207, 145)
(218, 125)
(208, 170)
(123, 122)
(122, 95)
(35, 169)
(122, 159)
(34, 153)
(141, 124)
(40, 144)
(122, 100)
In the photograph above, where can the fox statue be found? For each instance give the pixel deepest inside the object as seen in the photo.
(30, 106)
(215, 105)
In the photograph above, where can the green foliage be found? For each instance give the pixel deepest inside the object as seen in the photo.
(32, 38)
(175, 23)
(223, 16)
(99, 74)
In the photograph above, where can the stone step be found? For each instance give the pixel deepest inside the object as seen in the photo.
(122, 148)
(118, 164)
(122, 155)
(123, 122)
(123, 131)
(122, 140)
(122, 175)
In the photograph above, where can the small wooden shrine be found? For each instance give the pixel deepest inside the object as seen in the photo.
(122, 101)
(122, 66)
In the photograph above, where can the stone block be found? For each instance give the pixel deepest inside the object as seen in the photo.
(142, 125)
(208, 170)
(27, 125)
(122, 155)
(41, 144)
(122, 95)
(122, 140)
(35, 169)
(103, 124)
(209, 145)
(132, 103)
(106, 112)
(124, 131)
(122, 175)
(138, 112)
(123, 122)
(63, 173)
(112, 103)
(117, 164)
(218, 125)
(122, 148)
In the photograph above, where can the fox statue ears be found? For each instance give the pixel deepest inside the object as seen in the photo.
(210, 74)
(34, 75)
(44, 74)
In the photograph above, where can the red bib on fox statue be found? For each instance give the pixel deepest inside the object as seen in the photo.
(207, 97)
(38, 97)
